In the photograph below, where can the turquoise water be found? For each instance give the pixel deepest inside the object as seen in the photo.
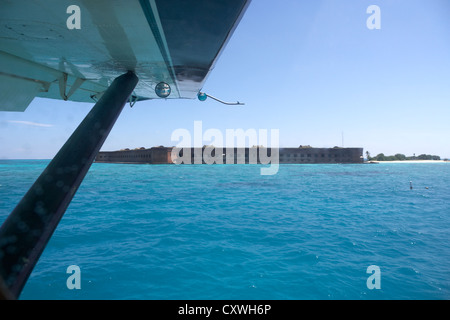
(226, 232)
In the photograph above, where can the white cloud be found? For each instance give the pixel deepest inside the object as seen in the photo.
(29, 123)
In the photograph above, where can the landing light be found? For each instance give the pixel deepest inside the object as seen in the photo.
(162, 90)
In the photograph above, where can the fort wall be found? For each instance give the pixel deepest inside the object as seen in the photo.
(210, 155)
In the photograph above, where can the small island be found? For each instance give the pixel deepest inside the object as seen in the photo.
(399, 157)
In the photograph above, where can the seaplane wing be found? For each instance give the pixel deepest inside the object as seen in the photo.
(107, 51)
(73, 50)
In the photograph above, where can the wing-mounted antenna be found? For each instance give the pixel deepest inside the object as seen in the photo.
(203, 96)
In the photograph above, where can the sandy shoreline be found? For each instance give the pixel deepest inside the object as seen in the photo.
(410, 161)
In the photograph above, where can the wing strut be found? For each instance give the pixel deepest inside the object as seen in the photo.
(27, 230)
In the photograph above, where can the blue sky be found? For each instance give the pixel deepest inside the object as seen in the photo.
(311, 69)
